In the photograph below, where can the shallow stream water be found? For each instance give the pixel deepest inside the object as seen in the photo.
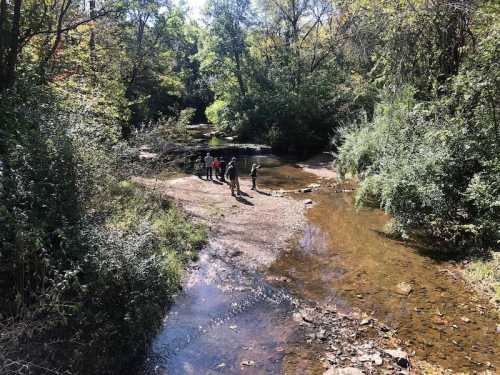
(230, 321)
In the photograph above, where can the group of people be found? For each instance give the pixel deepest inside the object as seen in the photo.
(217, 167)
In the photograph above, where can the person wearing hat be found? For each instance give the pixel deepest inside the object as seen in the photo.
(208, 165)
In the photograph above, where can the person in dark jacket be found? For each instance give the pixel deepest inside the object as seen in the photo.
(208, 165)
(222, 168)
(232, 176)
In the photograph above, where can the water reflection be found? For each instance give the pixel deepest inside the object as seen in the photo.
(439, 318)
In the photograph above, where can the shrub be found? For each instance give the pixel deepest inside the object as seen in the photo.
(432, 168)
(87, 265)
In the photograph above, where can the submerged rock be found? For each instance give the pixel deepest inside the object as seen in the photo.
(404, 288)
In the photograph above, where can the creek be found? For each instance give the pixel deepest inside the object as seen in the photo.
(230, 321)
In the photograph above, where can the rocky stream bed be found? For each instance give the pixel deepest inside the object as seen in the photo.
(296, 281)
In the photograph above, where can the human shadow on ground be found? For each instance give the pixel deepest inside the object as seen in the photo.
(262, 192)
(243, 200)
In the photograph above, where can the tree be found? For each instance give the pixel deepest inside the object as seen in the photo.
(227, 27)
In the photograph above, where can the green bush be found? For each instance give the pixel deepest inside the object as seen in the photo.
(432, 165)
(87, 265)
(213, 112)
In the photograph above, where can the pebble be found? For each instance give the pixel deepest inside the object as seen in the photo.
(465, 319)
(247, 363)
(343, 371)
(400, 356)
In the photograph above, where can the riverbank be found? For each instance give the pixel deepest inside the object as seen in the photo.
(303, 282)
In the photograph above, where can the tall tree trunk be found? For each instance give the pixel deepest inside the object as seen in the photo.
(3, 32)
(8, 73)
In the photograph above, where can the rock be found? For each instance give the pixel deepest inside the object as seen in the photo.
(375, 358)
(400, 356)
(308, 201)
(305, 190)
(343, 371)
(385, 328)
(236, 253)
(365, 358)
(144, 155)
(320, 335)
(498, 328)
(314, 185)
(279, 279)
(303, 316)
(331, 357)
(247, 363)
(404, 288)
(465, 319)
(365, 322)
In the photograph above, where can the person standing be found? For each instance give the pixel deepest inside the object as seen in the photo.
(222, 168)
(198, 167)
(216, 166)
(237, 179)
(208, 165)
(232, 176)
(253, 174)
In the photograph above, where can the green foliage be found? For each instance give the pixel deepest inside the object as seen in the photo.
(279, 82)
(86, 265)
(214, 112)
(485, 274)
(434, 163)
(428, 168)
